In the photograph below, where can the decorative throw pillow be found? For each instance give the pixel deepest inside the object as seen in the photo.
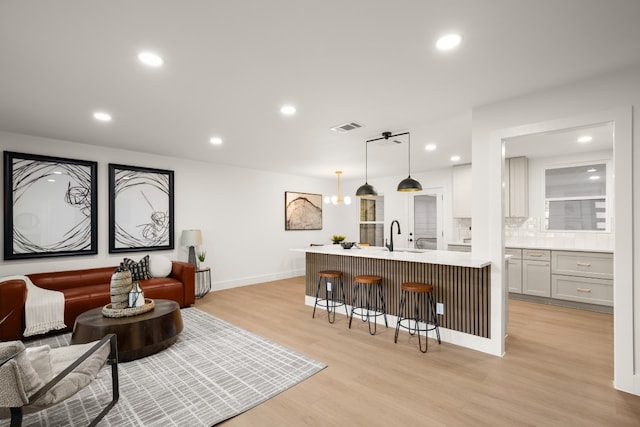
(41, 361)
(139, 270)
(29, 381)
(159, 266)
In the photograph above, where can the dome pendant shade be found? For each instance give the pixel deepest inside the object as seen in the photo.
(408, 184)
(366, 190)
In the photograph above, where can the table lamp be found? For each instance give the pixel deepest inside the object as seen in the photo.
(191, 238)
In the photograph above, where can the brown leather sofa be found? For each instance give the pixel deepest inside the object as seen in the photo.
(87, 289)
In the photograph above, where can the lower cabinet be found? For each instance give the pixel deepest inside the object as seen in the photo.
(459, 248)
(584, 277)
(582, 289)
(514, 269)
(536, 278)
(515, 275)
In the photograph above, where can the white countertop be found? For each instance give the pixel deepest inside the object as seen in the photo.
(460, 259)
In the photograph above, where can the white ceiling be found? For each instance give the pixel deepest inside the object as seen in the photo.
(231, 64)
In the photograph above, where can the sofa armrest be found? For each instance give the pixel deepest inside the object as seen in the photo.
(13, 294)
(185, 272)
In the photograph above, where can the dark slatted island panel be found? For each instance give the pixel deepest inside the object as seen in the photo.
(464, 291)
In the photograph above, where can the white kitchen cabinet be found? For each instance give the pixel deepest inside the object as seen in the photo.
(582, 276)
(462, 187)
(536, 272)
(582, 289)
(514, 267)
(458, 248)
(536, 278)
(516, 187)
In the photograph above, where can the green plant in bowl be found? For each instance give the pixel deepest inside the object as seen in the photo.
(337, 238)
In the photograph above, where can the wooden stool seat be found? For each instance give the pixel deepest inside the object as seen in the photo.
(370, 280)
(329, 300)
(367, 308)
(416, 287)
(330, 274)
(419, 291)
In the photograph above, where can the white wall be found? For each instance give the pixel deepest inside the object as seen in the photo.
(240, 213)
(396, 204)
(602, 99)
(530, 231)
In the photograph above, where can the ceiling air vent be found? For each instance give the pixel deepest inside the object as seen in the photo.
(346, 127)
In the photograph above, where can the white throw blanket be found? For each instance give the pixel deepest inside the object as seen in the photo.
(43, 310)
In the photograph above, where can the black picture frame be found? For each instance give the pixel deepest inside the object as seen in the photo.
(50, 206)
(140, 209)
(302, 211)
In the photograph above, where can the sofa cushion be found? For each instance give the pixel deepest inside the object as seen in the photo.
(159, 266)
(139, 270)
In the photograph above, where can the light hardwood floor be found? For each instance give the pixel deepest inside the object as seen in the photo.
(558, 369)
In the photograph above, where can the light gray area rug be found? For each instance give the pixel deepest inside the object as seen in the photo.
(213, 372)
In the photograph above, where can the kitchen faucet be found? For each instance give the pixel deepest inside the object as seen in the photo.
(390, 245)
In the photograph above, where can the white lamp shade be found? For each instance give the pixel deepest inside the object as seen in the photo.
(191, 238)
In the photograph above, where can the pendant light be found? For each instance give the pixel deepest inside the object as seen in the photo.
(366, 189)
(409, 184)
(337, 199)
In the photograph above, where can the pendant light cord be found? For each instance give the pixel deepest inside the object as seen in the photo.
(409, 155)
(366, 162)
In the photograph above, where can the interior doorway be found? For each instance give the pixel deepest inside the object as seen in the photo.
(425, 219)
(621, 118)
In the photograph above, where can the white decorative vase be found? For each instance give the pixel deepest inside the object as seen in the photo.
(136, 295)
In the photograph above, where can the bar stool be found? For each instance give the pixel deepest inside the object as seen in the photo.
(418, 291)
(329, 300)
(363, 308)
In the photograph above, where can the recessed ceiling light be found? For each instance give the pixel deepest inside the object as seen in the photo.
(430, 147)
(51, 180)
(216, 140)
(585, 138)
(102, 116)
(594, 177)
(288, 110)
(455, 158)
(592, 170)
(448, 41)
(151, 59)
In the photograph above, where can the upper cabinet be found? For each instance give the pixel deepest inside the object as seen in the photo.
(462, 191)
(516, 187)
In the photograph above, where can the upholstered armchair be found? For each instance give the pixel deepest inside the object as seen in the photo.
(34, 379)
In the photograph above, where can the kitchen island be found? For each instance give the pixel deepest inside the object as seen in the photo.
(461, 283)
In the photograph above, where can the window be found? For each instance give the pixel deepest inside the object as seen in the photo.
(372, 220)
(576, 198)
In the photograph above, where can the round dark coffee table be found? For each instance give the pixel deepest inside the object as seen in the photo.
(138, 336)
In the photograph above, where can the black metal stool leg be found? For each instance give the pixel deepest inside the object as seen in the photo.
(344, 298)
(434, 317)
(375, 309)
(354, 301)
(403, 298)
(384, 306)
(313, 315)
(331, 306)
(426, 329)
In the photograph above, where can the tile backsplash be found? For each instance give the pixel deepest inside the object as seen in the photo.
(528, 232)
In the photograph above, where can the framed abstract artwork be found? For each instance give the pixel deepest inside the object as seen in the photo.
(50, 206)
(140, 209)
(302, 211)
